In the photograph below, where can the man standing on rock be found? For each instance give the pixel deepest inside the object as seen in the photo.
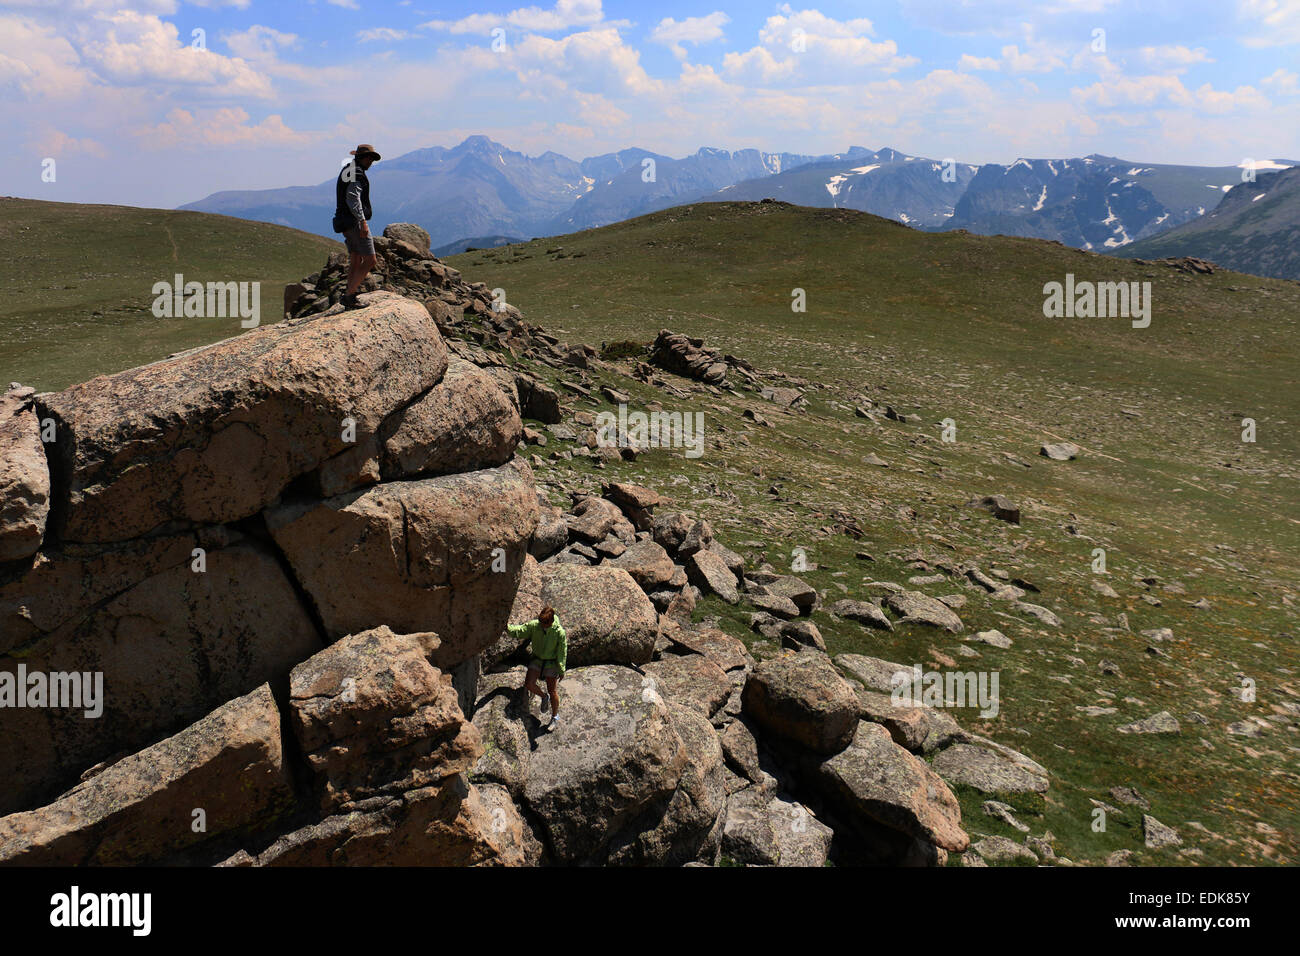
(549, 646)
(351, 210)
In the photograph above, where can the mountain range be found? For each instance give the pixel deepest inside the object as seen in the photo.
(481, 188)
(1256, 229)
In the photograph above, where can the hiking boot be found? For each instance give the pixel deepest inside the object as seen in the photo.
(348, 301)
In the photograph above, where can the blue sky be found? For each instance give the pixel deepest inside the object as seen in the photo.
(135, 107)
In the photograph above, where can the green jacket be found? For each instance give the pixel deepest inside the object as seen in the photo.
(550, 644)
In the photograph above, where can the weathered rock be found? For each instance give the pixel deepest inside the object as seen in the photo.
(686, 356)
(464, 423)
(215, 635)
(416, 555)
(1161, 723)
(63, 585)
(698, 538)
(615, 754)
(876, 779)
(607, 617)
(215, 434)
(1040, 612)
(445, 825)
(763, 829)
(1002, 850)
(670, 530)
(998, 506)
(727, 652)
(874, 673)
(864, 612)
(803, 594)
(774, 604)
(537, 400)
(687, 827)
(707, 571)
(993, 638)
(595, 518)
(1061, 451)
(409, 233)
(918, 608)
(648, 563)
(24, 477)
(373, 718)
(914, 726)
(637, 502)
(691, 680)
(551, 535)
(992, 774)
(802, 698)
(500, 716)
(735, 563)
(1156, 835)
(799, 634)
(141, 808)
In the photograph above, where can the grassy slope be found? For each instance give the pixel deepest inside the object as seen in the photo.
(78, 281)
(950, 326)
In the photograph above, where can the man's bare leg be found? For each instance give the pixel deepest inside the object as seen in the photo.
(553, 685)
(358, 268)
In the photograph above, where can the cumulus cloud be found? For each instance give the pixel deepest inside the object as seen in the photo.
(258, 42)
(1155, 90)
(36, 62)
(1283, 82)
(1173, 58)
(128, 48)
(692, 30)
(228, 126)
(813, 47)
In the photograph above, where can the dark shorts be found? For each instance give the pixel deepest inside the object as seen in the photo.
(547, 668)
(358, 244)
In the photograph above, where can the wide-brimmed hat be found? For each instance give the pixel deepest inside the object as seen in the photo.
(364, 150)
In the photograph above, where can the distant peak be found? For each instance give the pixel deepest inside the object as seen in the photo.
(478, 142)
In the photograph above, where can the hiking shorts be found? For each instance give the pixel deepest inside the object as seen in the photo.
(358, 244)
(548, 668)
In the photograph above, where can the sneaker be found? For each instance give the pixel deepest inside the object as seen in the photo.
(546, 703)
(555, 722)
(348, 301)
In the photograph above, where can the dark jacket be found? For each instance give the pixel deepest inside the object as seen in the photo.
(345, 212)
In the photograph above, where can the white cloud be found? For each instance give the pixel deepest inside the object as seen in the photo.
(815, 48)
(1276, 22)
(565, 15)
(968, 62)
(56, 143)
(1155, 90)
(386, 34)
(1173, 58)
(224, 127)
(36, 62)
(127, 48)
(1283, 82)
(1039, 60)
(693, 30)
(258, 42)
